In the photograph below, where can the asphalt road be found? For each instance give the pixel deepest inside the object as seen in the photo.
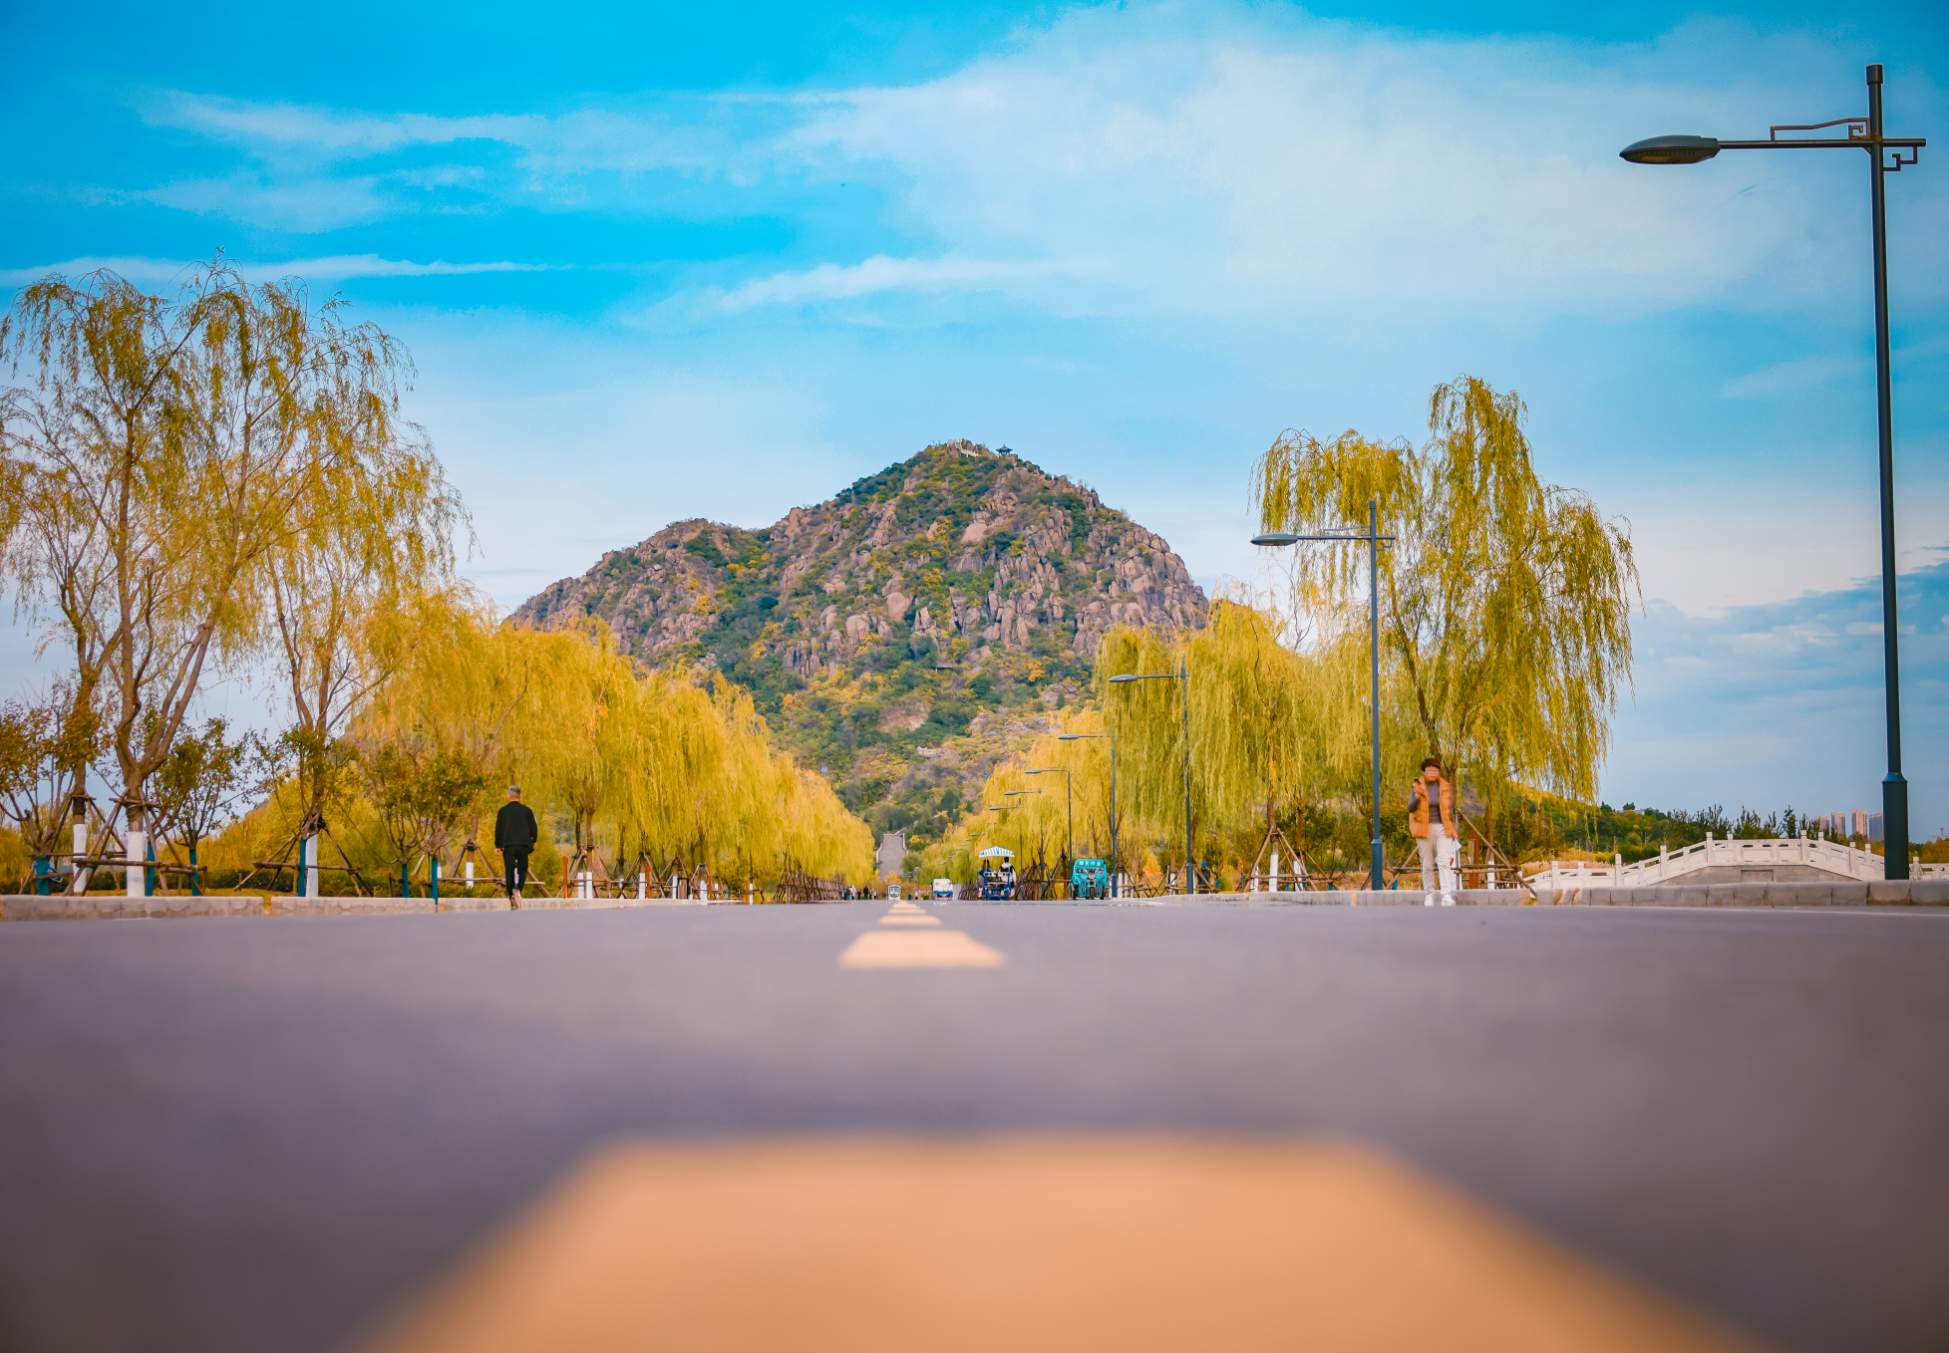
(252, 1134)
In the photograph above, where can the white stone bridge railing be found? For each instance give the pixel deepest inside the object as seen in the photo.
(1669, 866)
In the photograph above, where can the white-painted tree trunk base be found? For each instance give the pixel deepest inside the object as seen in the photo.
(79, 880)
(138, 871)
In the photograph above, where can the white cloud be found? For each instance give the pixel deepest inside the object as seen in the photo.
(1781, 641)
(331, 268)
(1214, 161)
(875, 276)
(687, 133)
(1769, 540)
(325, 132)
(302, 205)
(1265, 164)
(1785, 378)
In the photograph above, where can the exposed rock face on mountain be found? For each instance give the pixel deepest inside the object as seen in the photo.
(873, 628)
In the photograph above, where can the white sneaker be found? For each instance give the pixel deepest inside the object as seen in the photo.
(1448, 899)
(1427, 899)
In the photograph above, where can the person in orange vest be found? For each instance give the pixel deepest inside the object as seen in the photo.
(1432, 820)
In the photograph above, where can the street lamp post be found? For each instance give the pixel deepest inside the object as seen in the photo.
(1886, 155)
(1376, 858)
(1112, 735)
(1068, 804)
(1182, 677)
(1021, 835)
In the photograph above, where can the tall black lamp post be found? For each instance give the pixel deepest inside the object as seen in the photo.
(1022, 836)
(1182, 677)
(1112, 735)
(1376, 858)
(1068, 805)
(1886, 155)
(1020, 843)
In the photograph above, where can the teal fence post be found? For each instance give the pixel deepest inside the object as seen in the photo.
(195, 875)
(433, 876)
(149, 874)
(43, 868)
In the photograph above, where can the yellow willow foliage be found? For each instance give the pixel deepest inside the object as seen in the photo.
(184, 478)
(1505, 601)
(1275, 733)
(628, 763)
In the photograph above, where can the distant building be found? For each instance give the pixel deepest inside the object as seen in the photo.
(1874, 827)
(1860, 822)
(890, 860)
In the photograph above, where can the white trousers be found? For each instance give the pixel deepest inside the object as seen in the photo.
(1438, 852)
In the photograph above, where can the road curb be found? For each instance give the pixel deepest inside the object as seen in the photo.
(114, 907)
(1903, 894)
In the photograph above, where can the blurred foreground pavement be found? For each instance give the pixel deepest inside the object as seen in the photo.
(962, 1125)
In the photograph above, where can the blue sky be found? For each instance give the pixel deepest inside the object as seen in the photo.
(719, 260)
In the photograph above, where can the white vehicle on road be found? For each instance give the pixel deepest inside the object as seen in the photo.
(944, 889)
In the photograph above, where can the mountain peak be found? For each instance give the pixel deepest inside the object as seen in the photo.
(873, 627)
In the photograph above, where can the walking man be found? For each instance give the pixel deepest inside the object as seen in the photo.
(1431, 817)
(515, 834)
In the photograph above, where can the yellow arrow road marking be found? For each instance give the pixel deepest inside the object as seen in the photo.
(910, 920)
(918, 949)
(1032, 1245)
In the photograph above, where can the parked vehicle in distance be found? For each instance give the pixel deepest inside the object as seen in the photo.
(893, 892)
(944, 889)
(1089, 879)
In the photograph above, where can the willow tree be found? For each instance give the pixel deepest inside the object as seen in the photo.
(681, 772)
(461, 685)
(43, 741)
(1506, 601)
(178, 464)
(421, 798)
(199, 785)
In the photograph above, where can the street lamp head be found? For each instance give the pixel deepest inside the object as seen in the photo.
(1127, 676)
(1276, 538)
(1671, 150)
(1077, 737)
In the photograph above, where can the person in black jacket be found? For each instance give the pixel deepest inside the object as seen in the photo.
(515, 834)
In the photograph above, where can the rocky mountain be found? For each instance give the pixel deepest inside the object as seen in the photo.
(908, 632)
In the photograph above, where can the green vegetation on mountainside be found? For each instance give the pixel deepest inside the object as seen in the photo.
(904, 635)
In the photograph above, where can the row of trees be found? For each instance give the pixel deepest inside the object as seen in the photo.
(641, 769)
(225, 480)
(1278, 739)
(203, 480)
(1505, 644)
